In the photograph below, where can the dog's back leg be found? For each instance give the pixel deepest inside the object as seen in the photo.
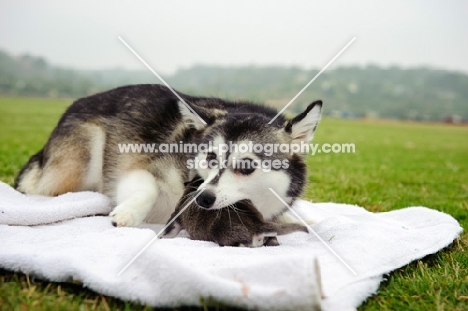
(60, 174)
(70, 161)
(28, 177)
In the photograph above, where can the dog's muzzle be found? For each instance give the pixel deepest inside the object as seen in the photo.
(206, 199)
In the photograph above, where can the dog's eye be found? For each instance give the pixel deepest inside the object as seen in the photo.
(246, 166)
(210, 156)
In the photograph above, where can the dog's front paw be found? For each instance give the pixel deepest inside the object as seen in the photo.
(125, 218)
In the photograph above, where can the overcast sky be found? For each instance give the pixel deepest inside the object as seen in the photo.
(176, 34)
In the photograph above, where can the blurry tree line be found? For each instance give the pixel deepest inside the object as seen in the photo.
(418, 93)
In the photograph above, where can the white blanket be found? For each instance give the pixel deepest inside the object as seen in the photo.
(175, 272)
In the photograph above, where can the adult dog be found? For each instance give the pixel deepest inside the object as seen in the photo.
(86, 151)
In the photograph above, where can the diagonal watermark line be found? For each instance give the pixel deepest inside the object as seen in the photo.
(160, 232)
(313, 231)
(161, 79)
(313, 79)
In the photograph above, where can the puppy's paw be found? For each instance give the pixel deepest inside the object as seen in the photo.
(172, 231)
(258, 240)
(125, 218)
(265, 238)
(271, 241)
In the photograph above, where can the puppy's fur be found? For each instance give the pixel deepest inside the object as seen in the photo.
(83, 153)
(237, 225)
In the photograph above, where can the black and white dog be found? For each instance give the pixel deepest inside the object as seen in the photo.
(246, 154)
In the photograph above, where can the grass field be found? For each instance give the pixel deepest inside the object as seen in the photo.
(396, 165)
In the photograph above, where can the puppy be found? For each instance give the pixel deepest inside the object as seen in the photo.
(240, 224)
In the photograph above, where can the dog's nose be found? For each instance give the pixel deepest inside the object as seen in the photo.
(206, 199)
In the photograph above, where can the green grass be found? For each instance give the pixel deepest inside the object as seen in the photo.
(396, 165)
(400, 164)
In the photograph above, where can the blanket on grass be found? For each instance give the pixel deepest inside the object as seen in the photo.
(67, 238)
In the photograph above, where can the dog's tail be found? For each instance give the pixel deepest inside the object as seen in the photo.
(29, 176)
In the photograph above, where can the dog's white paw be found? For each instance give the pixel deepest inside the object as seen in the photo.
(125, 218)
(264, 239)
(258, 240)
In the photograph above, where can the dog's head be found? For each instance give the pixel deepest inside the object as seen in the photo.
(240, 156)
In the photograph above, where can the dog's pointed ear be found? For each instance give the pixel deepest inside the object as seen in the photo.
(190, 116)
(303, 126)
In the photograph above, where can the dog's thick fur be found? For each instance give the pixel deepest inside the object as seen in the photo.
(82, 152)
(239, 224)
